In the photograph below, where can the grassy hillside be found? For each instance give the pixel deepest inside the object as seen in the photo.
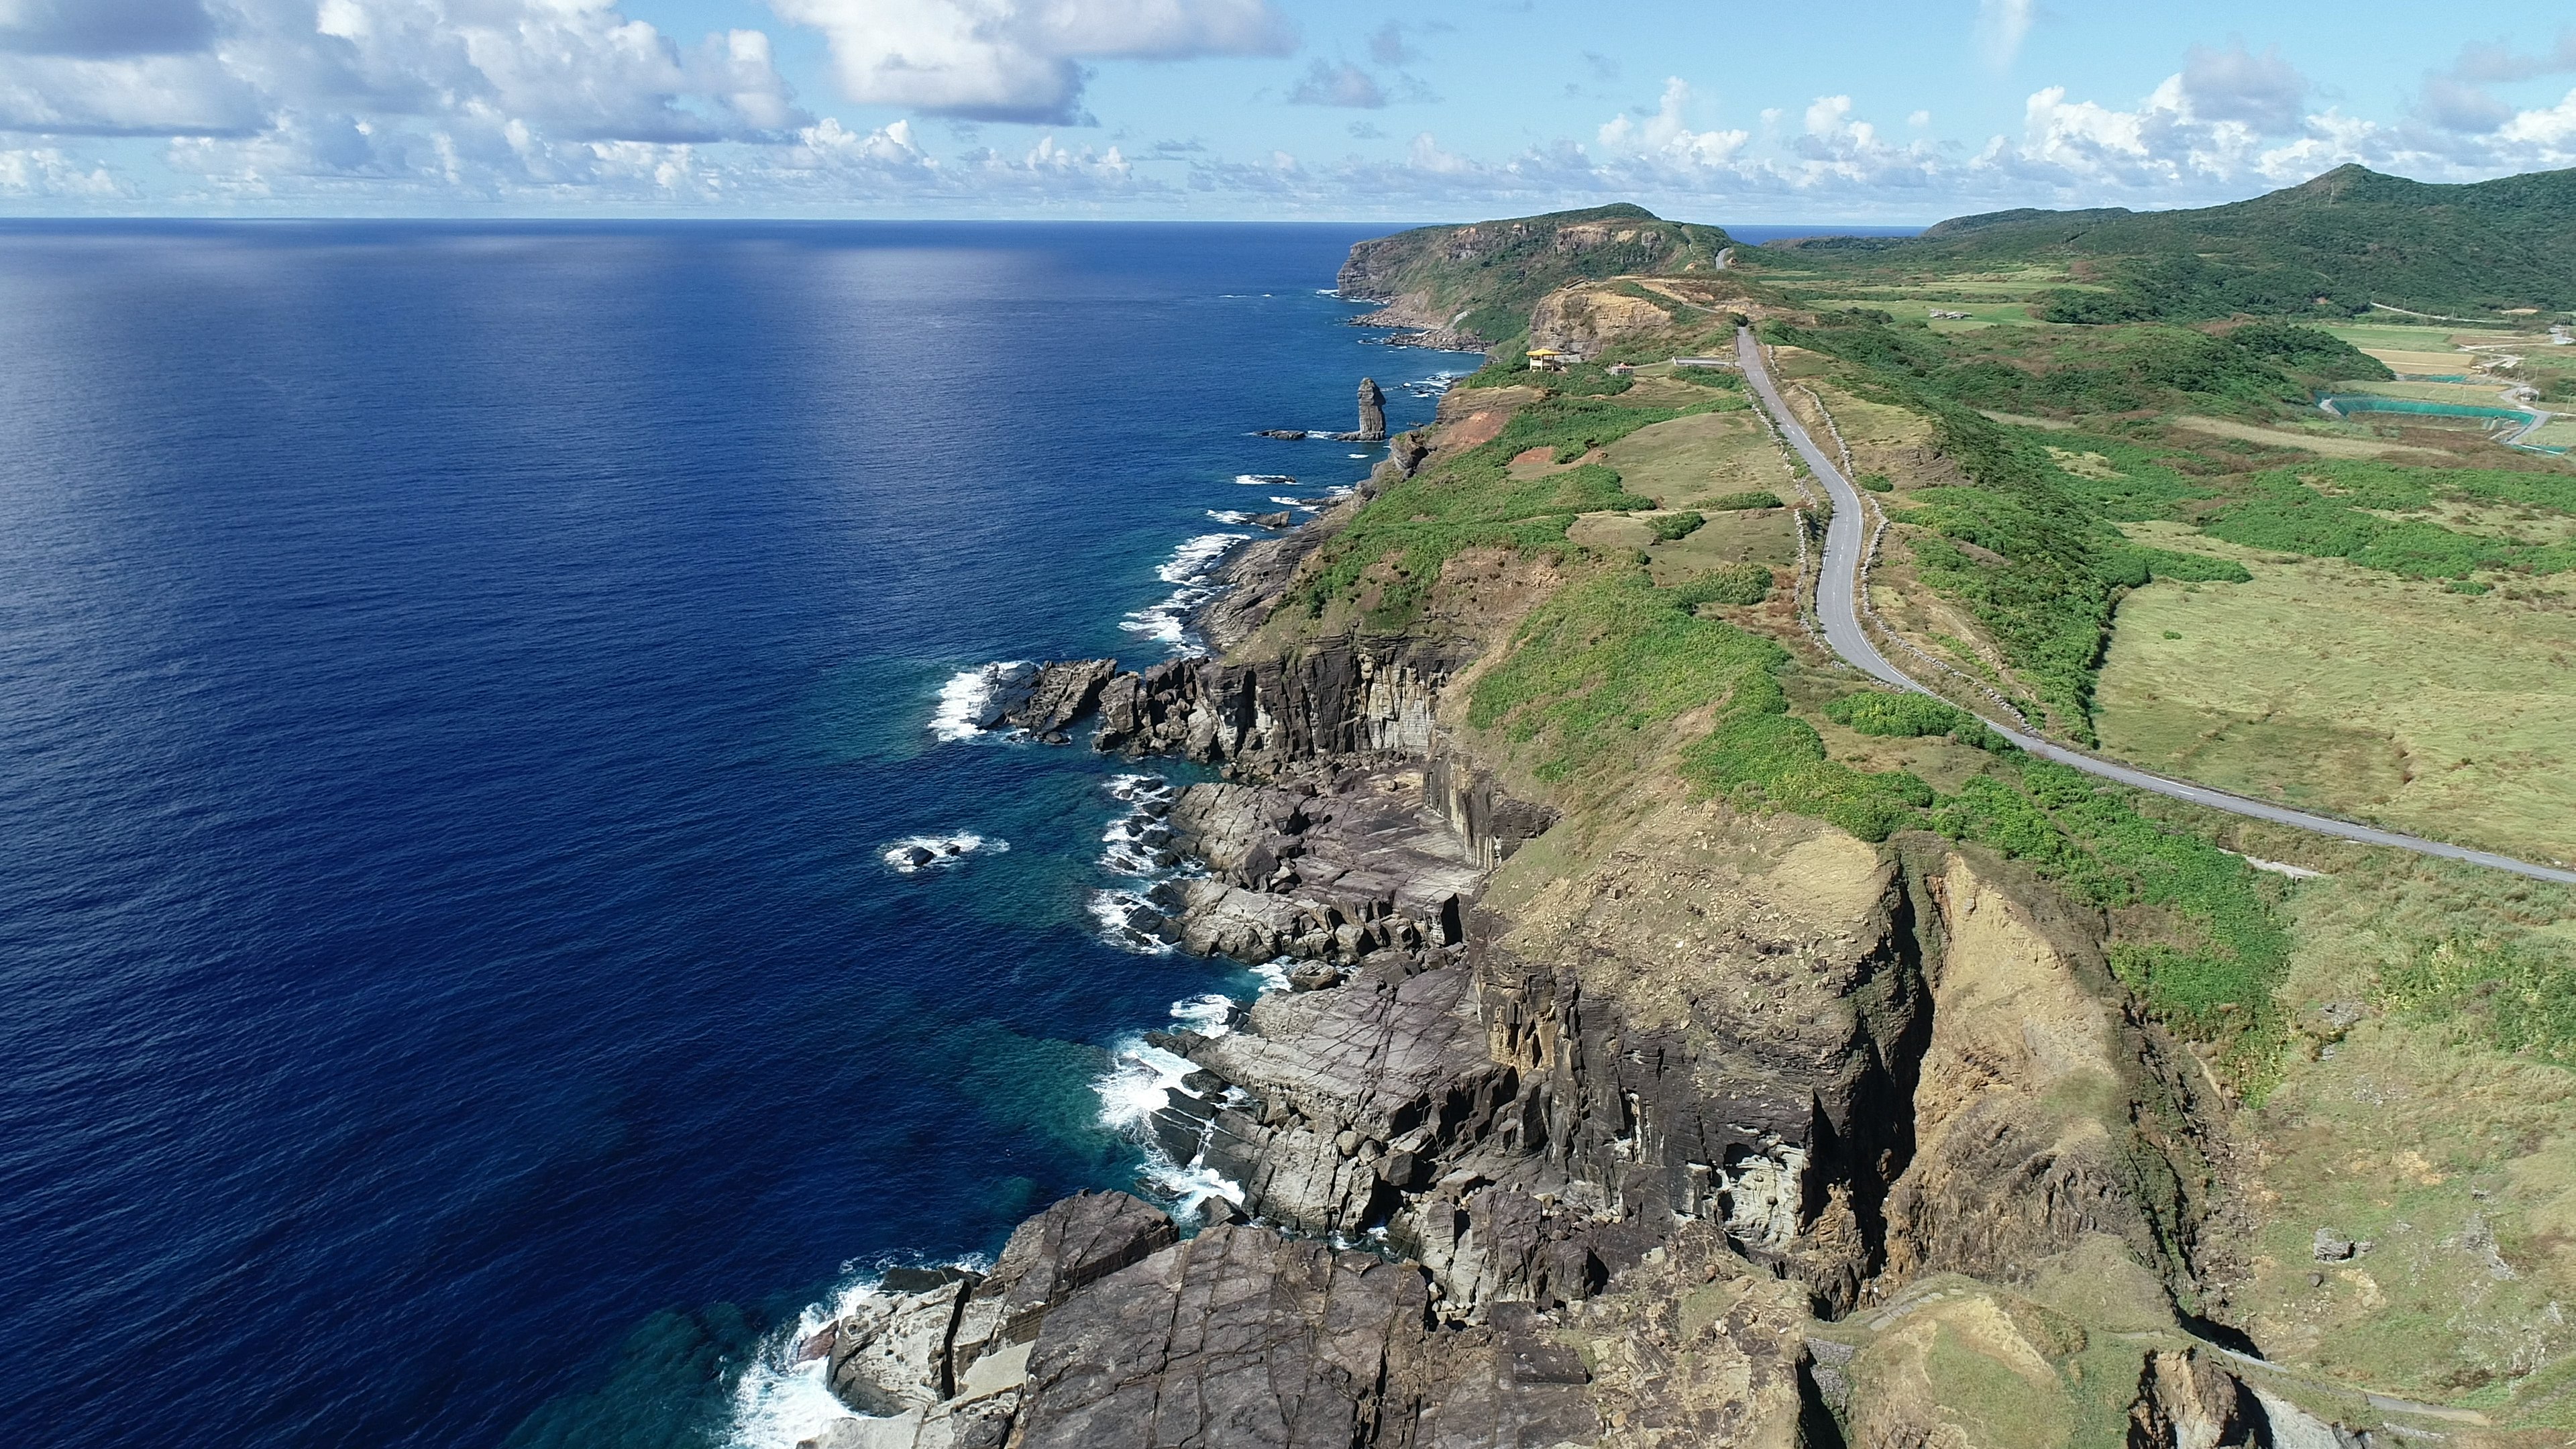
(2330, 246)
(1483, 278)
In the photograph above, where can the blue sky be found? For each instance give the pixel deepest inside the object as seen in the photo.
(1858, 112)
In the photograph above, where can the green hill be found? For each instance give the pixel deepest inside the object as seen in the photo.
(1483, 278)
(2333, 245)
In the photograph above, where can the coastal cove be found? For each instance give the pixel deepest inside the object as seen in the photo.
(464, 745)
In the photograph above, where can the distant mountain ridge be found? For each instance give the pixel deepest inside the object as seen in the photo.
(2338, 242)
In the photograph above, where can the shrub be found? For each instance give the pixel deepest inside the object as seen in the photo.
(1880, 712)
(1717, 377)
(1877, 483)
(1736, 585)
(2193, 568)
(1671, 526)
(1739, 502)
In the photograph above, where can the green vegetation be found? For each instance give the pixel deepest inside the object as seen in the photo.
(2351, 236)
(1877, 483)
(1475, 501)
(1604, 662)
(2516, 993)
(1884, 712)
(2193, 568)
(1733, 502)
(1716, 377)
(2328, 686)
(2221, 951)
(1489, 275)
(1735, 585)
(2279, 511)
(1671, 526)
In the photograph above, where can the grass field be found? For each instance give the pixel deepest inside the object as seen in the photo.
(2455, 1160)
(1691, 460)
(2355, 691)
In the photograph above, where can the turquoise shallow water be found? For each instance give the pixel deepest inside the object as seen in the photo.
(458, 685)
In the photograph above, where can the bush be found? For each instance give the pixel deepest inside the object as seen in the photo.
(1740, 502)
(1736, 585)
(1879, 712)
(1717, 377)
(1877, 483)
(1671, 526)
(2193, 568)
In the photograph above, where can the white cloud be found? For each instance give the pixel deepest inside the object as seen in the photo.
(1665, 138)
(1019, 60)
(45, 172)
(1326, 84)
(2457, 98)
(2263, 91)
(101, 28)
(2002, 25)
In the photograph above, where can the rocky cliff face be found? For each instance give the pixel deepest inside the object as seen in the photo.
(1598, 1143)
(1582, 319)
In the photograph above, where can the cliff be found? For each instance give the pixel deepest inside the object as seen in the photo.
(1476, 284)
(1649, 1073)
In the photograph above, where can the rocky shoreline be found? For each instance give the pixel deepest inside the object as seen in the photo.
(1675, 1146)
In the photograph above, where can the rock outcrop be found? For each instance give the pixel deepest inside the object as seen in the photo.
(1586, 317)
(1043, 699)
(1372, 414)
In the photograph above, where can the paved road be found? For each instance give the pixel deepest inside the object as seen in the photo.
(1837, 609)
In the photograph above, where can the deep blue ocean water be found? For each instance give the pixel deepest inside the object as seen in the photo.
(457, 687)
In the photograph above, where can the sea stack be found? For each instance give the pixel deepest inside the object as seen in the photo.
(1372, 413)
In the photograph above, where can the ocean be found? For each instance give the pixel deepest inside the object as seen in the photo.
(466, 691)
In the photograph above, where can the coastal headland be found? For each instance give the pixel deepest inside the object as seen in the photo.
(1686, 1041)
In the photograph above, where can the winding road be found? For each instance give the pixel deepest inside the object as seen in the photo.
(1838, 610)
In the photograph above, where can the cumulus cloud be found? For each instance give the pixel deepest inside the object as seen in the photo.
(2457, 98)
(567, 70)
(1019, 60)
(2263, 91)
(1663, 136)
(46, 172)
(1327, 84)
(97, 28)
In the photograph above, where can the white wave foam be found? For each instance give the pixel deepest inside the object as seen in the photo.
(1189, 1188)
(1234, 516)
(1265, 480)
(931, 852)
(1190, 570)
(961, 700)
(1211, 1015)
(1139, 1083)
(779, 1402)
(1118, 913)
(1273, 974)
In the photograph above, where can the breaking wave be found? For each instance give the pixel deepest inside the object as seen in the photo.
(936, 852)
(959, 713)
(1192, 572)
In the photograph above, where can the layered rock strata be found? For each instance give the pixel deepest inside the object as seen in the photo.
(1581, 1151)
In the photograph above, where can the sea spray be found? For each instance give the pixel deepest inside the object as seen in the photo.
(959, 714)
(915, 853)
(1192, 571)
(782, 1399)
(1136, 844)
